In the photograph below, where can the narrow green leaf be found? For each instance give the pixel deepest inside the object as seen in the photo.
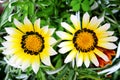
(4, 18)
(31, 8)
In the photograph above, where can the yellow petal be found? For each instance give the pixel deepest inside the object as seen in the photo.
(93, 59)
(68, 27)
(85, 20)
(75, 22)
(101, 54)
(86, 59)
(71, 56)
(79, 59)
(64, 35)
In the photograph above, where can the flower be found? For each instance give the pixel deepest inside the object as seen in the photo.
(83, 42)
(108, 53)
(28, 44)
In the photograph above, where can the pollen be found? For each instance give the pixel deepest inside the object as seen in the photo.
(85, 40)
(32, 43)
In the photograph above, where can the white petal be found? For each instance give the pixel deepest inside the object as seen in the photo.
(68, 27)
(75, 21)
(25, 65)
(52, 41)
(51, 31)
(27, 21)
(110, 39)
(109, 33)
(93, 23)
(118, 51)
(17, 23)
(64, 35)
(7, 44)
(93, 59)
(35, 66)
(104, 27)
(100, 20)
(65, 43)
(71, 56)
(85, 20)
(111, 69)
(79, 59)
(86, 59)
(18, 62)
(106, 33)
(66, 49)
(10, 30)
(37, 23)
(12, 60)
(8, 38)
(101, 54)
(8, 51)
(108, 45)
(45, 59)
(52, 51)
(45, 29)
(73, 63)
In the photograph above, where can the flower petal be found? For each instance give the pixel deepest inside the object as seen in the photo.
(71, 56)
(66, 49)
(85, 20)
(110, 39)
(68, 27)
(45, 58)
(44, 30)
(64, 35)
(18, 24)
(93, 23)
(28, 24)
(25, 65)
(51, 31)
(13, 32)
(105, 27)
(75, 21)
(8, 51)
(36, 65)
(79, 59)
(37, 25)
(101, 54)
(65, 43)
(52, 51)
(93, 59)
(107, 45)
(52, 41)
(86, 59)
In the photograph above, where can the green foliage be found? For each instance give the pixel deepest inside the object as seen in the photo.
(81, 4)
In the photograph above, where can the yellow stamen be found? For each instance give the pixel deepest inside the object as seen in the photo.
(84, 40)
(33, 43)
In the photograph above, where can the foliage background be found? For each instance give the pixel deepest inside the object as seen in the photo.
(52, 13)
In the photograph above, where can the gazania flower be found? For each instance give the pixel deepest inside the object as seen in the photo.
(83, 41)
(28, 44)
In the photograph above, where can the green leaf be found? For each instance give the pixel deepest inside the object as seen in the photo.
(30, 8)
(71, 75)
(75, 4)
(41, 75)
(86, 5)
(4, 18)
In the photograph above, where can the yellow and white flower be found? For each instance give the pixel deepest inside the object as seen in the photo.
(83, 42)
(28, 44)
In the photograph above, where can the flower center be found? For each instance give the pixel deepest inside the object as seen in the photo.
(32, 43)
(85, 40)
